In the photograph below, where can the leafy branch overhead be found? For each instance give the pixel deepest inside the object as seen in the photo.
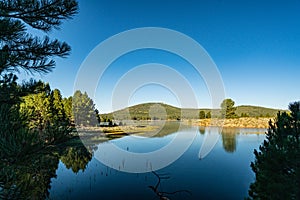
(20, 49)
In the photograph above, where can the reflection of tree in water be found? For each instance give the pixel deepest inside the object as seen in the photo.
(30, 177)
(229, 139)
(202, 130)
(76, 158)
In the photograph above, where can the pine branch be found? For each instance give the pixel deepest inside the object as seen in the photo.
(43, 15)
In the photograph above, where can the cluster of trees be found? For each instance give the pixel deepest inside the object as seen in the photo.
(24, 125)
(277, 163)
(32, 116)
(203, 115)
(44, 112)
(227, 110)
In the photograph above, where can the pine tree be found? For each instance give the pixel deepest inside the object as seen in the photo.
(83, 109)
(277, 163)
(18, 48)
(208, 115)
(228, 109)
(201, 114)
(68, 108)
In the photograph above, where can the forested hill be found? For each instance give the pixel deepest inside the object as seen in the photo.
(160, 111)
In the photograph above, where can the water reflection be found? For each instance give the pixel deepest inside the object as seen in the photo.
(228, 135)
(202, 130)
(229, 139)
(76, 158)
(30, 177)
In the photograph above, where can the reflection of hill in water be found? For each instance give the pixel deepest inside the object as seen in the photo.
(163, 129)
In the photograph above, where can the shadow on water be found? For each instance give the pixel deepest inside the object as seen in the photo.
(30, 178)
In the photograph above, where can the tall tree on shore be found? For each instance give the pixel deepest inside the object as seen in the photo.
(228, 109)
(84, 109)
(68, 108)
(277, 163)
(201, 114)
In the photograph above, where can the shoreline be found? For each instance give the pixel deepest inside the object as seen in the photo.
(243, 122)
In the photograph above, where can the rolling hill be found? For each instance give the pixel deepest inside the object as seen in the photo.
(148, 111)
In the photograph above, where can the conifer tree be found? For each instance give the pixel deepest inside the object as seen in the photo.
(21, 50)
(84, 109)
(228, 109)
(277, 163)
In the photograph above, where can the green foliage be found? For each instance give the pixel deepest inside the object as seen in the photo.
(201, 114)
(277, 164)
(67, 102)
(22, 50)
(84, 109)
(44, 112)
(208, 115)
(228, 109)
(244, 115)
(18, 48)
(15, 138)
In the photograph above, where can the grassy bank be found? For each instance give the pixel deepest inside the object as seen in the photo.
(244, 122)
(118, 130)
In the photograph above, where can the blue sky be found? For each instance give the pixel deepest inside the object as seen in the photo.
(255, 45)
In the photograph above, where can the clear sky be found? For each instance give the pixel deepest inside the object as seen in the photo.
(255, 45)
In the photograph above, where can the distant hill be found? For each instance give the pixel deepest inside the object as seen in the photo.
(257, 111)
(148, 111)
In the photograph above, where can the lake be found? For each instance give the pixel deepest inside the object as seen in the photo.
(224, 173)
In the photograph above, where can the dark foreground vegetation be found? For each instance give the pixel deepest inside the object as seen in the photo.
(32, 116)
(277, 163)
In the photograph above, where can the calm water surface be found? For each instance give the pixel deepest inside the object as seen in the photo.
(224, 173)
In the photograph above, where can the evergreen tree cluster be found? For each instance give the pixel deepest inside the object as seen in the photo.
(25, 128)
(203, 115)
(45, 113)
